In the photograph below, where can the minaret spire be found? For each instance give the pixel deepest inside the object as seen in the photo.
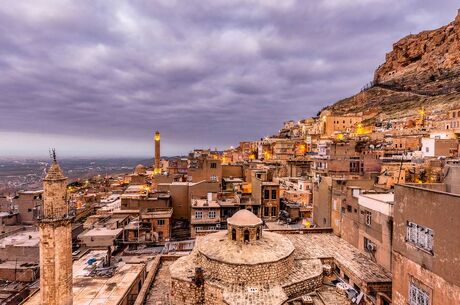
(157, 168)
(55, 239)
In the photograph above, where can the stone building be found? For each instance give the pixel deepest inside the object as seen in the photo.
(55, 240)
(266, 194)
(432, 147)
(205, 168)
(205, 214)
(425, 245)
(28, 205)
(242, 266)
(365, 220)
(329, 189)
(246, 265)
(182, 194)
(139, 175)
(339, 124)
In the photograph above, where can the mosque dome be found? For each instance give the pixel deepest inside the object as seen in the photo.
(244, 218)
(139, 169)
(244, 226)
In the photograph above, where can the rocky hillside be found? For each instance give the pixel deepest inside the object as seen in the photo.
(421, 70)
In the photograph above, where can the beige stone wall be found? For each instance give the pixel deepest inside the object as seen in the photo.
(56, 263)
(258, 273)
(253, 232)
(303, 287)
(54, 199)
(439, 210)
(235, 171)
(184, 292)
(14, 252)
(404, 270)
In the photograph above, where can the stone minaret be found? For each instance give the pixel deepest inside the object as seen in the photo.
(157, 169)
(55, 240)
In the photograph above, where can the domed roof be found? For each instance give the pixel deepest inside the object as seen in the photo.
(139, 169)
(244, 218)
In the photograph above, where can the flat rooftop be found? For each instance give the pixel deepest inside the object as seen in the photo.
(384, 197)
(166, 213)
(28, 238)
(89, 290)
(204, 203)
(102, 232)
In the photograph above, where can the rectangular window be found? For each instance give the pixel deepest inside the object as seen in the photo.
(266, 211)
(418, 296)
(368, 216)
(213, 165)
(273, 211)
(419, 236)
(160, 222)
(213, 178)
(349, 208)
(212, 214)
(198, 214)
(369, 245)
(267, 194)
(273, 194)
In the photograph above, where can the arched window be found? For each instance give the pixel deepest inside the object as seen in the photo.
(233, 234)
(246, 235)
(258, 233)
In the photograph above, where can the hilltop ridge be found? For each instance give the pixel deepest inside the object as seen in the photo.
(422, 70)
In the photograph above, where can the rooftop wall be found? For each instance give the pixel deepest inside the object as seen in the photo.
(438, 211)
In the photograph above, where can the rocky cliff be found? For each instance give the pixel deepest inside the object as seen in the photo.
(427, 62)
(421, 70)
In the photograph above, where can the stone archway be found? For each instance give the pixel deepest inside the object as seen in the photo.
(246, 235)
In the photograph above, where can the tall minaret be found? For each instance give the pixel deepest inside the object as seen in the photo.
(55, 240)
(157, 169)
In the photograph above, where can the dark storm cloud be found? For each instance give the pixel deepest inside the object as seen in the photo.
(205, 73)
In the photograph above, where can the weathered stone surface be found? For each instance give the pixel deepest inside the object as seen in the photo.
(259, 272)
(55, 241)
(422, 70)
(428, 53)
(272, 247)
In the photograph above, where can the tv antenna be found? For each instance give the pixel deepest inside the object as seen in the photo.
(53, 154)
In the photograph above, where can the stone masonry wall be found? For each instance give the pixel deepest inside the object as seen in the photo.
(230, 273)
(187, 293)
(253, 231)
(300, 288)
(56, 263)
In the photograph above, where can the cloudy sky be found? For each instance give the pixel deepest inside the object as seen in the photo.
(97, 78)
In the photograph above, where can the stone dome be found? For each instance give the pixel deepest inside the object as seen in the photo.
(244, 226)
(139, 169)
(244, 218)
